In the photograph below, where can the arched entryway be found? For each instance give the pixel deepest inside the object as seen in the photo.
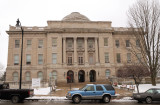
(81, 76)
(92, 76)
(70, 76)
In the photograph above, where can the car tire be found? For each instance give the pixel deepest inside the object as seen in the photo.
(15, 99)
(106, 99)
(148, 100)
(76, 99)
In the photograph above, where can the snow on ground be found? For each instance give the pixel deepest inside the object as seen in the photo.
(42, 91)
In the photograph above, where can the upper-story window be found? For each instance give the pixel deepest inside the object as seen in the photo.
(117, 43)
(40, 43)
(80, 43)
(90, 43)
(91, 59)
(107, 73)
(139, 57)
(127, 43)
(54, 42)
(29, 43)
(54, 58)
(17, 43)
(70, 43)
(137, 43)
(16, 59)
(118, 58)
(105, 41)
(69, 59)
(128, 57)
(106, 57)
(40, 59)
(28, 59)
(80, 59)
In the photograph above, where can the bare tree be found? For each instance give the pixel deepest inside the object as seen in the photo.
(134, 71)
(144, 20)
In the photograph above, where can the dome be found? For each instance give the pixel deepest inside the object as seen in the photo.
(75, 16)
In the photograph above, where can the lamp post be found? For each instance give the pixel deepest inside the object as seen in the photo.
(19, 25)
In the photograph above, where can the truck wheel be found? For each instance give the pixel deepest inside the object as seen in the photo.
(15, 99)
(148, 100)
(106, 99)
(76, 99)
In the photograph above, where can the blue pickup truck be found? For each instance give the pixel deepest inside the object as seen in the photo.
(102, 92)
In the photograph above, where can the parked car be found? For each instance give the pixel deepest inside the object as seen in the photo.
(15, 95)
(102, 92)
(150, 95)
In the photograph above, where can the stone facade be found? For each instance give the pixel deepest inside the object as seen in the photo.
(73, 50)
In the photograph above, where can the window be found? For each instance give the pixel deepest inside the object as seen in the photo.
(139, 57)
(90, 43)
(28, 59)
(107, 57)
(16, 59)
(17, 43)
(80, 43)
(105, 41)
(90, 88)
(69, 43)
(54, 42)
(117, 43)
(128, 57)
(40, 59)
(107, 73)
(54, 75)
(118, 58)
(29, 43)
(91, 60)
(70, 60)
(15, 76)
(28, 76)
(127, 43)
(99, 88)
(80, 58)
(137, 43)
(108, 87)
(40, 44)
(40, 75)
(54, 58)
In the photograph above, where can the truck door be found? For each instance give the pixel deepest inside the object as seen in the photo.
(89, 92)
(99, 92)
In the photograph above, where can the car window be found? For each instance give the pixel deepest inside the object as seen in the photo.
(108, 87)
(82, 88)
(149, 91)
(99, 88)
(158, 90)
(90, 88)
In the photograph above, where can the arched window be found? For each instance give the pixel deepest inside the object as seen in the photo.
(28, 76)
(107, 73)
(54, 75)
(15, 76)
(40, 75)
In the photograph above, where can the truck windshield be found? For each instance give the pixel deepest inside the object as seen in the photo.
(82, 87)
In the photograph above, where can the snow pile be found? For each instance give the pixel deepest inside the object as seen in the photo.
(47, 98)
(124, 99)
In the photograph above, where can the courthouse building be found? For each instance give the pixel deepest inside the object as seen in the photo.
(72, 50)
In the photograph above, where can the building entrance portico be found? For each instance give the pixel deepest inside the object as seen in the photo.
(70, 76)
(81, 76)
(92, 75)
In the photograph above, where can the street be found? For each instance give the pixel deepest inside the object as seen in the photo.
(87, 102)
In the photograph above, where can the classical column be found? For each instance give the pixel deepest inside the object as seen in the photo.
(64, 50)
(86, 51)
(75, 50)
(96, 50)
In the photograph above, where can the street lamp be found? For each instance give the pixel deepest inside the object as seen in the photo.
(18, 25)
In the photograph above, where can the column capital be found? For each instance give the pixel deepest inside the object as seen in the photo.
(64, 38)
(85, 38)
(74, 38)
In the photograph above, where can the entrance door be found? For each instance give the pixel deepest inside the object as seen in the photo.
(70, 76)
(92, 76)
(81, 76)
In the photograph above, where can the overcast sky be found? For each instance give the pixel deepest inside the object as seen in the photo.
(37, 12)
